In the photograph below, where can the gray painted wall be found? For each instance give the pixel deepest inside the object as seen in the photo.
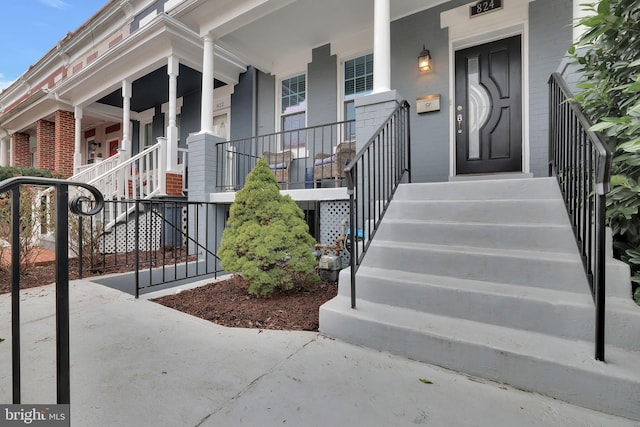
(242, 106)
(550, 36)
(429, 132)
(158, 6)
(158, 128)
(267, 103)
(190, 115)
(322, 87)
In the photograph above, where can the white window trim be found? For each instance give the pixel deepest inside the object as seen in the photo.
(224, 112)
(145, 117)
(342, 98)
(300, 152)
(165, 110)
(465, 32)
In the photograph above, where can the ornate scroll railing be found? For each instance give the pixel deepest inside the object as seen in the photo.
(62, 207)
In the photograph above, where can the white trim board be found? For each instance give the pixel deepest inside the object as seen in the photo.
(464, 31)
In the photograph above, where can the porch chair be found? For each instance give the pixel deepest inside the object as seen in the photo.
(331, 166)
(279, 162)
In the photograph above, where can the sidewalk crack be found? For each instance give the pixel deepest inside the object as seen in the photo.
(253, 383)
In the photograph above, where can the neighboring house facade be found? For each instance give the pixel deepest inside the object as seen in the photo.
(212, 71)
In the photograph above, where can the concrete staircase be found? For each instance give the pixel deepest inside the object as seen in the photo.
(484, 277)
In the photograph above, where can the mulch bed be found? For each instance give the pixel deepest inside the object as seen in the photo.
(228, 303)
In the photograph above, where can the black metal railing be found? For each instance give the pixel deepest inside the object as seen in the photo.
(62, 207)
(581, 163)
(161, 241)
(372, 179)
(311, 157)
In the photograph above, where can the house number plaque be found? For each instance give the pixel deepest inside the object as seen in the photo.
(484, 6)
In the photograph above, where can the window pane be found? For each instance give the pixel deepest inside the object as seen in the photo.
(479, 107)
(148, 134)
(294, 139)
(293, 93)
(358, 75)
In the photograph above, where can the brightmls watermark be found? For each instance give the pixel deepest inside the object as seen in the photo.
(34, 415)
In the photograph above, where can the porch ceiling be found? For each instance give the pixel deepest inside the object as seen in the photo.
(295, 26)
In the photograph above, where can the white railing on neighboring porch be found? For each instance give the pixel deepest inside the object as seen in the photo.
(137, 177)
(87, 173)
(143, 176)
(140, 177)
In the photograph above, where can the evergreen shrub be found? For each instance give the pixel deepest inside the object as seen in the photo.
(267, 240)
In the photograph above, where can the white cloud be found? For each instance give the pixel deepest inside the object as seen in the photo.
(56, 4)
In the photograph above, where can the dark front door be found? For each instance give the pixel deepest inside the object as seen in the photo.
(488, 109)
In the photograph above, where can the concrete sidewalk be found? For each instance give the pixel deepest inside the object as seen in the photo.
(137, 363)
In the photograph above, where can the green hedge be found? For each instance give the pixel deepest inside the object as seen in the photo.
(7, 172)
(608, 58)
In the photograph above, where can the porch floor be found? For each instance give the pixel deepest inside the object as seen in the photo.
(134, 362)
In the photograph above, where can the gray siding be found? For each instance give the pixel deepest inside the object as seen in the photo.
(267, 103)
(158, 128)
(190, 115)
(550, 36)
(158, 6)
(242, 106)
(429, 132)
(322, 89)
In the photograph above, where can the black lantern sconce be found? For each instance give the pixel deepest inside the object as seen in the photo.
(424, 60)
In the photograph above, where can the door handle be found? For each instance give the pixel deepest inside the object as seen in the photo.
(459, 122)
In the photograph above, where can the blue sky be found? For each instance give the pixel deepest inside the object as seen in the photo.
(30, 28)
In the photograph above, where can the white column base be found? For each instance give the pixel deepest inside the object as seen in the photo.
(172, 149)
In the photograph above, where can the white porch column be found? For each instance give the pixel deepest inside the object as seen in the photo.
(381, 46)
(206, 117)
(172, 128)
(4, 151)
(77, 153)
(125, 147)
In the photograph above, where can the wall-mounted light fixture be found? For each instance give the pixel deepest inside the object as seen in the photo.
(424, 60)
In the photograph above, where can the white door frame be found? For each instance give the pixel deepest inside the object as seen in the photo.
(465, 32)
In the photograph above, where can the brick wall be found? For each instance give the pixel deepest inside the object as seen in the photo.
(174, 184)
(45, 149)
(64, 142)
(20, 151)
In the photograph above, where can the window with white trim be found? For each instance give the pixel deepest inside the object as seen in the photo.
(293, 111)
(146, 128)
(358, 80)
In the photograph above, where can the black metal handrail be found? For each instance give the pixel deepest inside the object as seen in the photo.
(312, 149)
(582, 163)
(372, 179)
(168, 246)
(62, 272)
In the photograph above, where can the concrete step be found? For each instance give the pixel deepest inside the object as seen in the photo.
(560, 368)
(549, 270)
(485, 277)
(544, 211)
(524, 189)
(549, 311)
(544, 237)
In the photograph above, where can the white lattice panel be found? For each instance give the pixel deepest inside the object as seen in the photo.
(332, 215)
(122, 237)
